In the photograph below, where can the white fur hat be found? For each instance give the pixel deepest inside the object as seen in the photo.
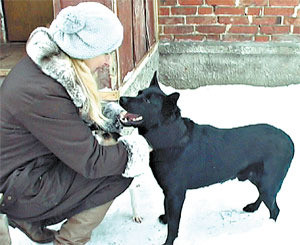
(87, 30)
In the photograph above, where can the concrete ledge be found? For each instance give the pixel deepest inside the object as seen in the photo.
(193, 64)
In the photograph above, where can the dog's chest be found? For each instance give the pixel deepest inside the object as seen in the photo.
(176, 164)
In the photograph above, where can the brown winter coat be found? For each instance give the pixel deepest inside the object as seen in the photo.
(51, 165)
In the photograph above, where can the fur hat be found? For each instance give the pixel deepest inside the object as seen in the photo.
(87, 30)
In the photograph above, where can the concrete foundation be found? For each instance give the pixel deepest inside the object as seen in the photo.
(186, 65)
(192, 64)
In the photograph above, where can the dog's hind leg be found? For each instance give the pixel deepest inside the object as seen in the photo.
(254, 174)
(269, 200)
(270, 185)
(252, 207)
(273, 208)
(271, 181)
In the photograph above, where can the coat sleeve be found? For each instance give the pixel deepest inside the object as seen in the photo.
(54, 121)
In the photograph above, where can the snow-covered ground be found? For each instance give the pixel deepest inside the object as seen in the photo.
(213, 215)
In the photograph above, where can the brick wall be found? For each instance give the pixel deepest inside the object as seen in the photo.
(230, 20)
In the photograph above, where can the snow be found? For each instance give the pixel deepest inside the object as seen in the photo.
(213, 215)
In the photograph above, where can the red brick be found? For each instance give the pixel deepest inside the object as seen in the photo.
(279, 11)
(217, 29)
(190, 2)
(237, 38)
(184, 10)
(166, 37)
(264, 20)
(189, 37)
(296, 30)
(170, 20)
(292, 21)
(205, 10)
(167, 2)
(261, 38)
(254, 2)
(274, 29)
(233, 20)
(178, 29)
(213, 37)
(221, 2)
(284, 2)
(244, 29)
(229, 10)
(254, 11)
(201, 20)
(164, 11)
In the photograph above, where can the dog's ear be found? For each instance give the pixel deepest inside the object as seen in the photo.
(154, 81)
(170, 104)
(173, 98)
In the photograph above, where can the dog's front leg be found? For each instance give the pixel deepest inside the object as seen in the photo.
(135, 215)
(164, 217)
(174, 206)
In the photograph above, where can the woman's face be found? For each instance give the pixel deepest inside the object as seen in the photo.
(97, 62)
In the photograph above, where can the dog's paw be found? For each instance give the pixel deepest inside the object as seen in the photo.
(250, 208)
(163, 219)
(137, 219)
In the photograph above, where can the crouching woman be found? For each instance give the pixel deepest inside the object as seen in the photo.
(52, 166)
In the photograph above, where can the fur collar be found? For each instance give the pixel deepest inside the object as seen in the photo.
(55, 63)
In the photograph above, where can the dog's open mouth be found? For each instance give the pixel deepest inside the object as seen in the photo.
(130, 119)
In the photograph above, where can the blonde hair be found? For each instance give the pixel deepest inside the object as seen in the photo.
(90, 89)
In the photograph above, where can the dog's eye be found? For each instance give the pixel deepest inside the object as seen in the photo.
(147, 100)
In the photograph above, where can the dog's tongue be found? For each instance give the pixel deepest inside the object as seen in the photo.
(130, 118)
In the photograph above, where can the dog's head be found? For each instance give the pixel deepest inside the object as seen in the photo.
(150, 108)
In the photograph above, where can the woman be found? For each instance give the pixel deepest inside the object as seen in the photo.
(52, 167)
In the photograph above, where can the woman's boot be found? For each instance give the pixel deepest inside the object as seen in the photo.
(35, 232)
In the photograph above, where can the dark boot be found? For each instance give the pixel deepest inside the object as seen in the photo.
(35, 232)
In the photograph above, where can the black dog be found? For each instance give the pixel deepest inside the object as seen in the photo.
(187, 155)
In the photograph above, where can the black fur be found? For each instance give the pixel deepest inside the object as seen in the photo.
(187, 155)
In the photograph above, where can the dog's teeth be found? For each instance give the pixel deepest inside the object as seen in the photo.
(137, 119)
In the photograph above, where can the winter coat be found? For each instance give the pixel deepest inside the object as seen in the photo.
(51, 165)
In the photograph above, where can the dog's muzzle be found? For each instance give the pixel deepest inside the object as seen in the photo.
(130, 119)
